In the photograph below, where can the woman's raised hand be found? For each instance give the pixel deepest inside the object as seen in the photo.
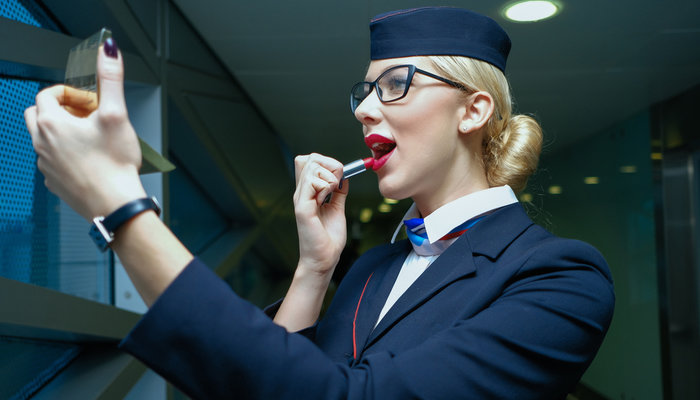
(322, 234)
(91, 163)
(321, 226)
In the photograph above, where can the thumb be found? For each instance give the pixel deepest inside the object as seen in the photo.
(110, 78)
(340, 195)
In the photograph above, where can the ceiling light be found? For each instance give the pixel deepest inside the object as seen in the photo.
(531, 11)
(365, 215)
(628, 169)
(657, 156)
(526, 198)
(390, 201)
(554, 189)
(591, 180)
(384, 208)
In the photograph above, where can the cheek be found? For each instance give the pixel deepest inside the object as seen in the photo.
(428, 117)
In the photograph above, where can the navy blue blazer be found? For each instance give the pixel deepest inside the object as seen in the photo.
(509, 311)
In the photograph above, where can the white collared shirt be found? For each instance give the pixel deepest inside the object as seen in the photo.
(437, 225)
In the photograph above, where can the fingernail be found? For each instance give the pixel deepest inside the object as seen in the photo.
(340, 184)
(111, 49)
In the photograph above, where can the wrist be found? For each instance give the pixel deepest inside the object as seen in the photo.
(313, 278)
(119, 191)
(104, 228)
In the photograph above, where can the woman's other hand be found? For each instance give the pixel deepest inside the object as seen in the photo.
(322, 234)
(321, 226)
(91, 163)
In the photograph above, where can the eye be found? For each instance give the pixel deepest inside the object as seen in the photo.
(396, 84)
(393, 84)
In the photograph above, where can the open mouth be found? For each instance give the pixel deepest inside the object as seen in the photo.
(379, 150)
(381, 147)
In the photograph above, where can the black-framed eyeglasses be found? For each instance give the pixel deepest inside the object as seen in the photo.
(392, 85)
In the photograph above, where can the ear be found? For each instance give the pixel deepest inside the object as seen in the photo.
(476, 113)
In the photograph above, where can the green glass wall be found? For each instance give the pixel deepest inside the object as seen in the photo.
(601, 191)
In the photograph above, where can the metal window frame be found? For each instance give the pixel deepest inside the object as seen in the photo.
(101, 371)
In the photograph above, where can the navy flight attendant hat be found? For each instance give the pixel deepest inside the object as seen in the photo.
(438, 31)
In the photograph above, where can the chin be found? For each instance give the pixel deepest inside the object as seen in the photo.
(392, 190)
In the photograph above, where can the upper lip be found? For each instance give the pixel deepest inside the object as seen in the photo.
(380, 145)
(375, 138)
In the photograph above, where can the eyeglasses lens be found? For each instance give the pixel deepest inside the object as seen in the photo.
(358, 93)
(391, 85)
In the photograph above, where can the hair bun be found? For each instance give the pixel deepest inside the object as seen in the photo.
(512, 156)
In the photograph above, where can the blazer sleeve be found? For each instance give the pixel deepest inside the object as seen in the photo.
(534, 342)
(211, 344)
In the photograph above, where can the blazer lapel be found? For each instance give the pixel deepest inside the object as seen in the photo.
(456, 262)
(489, 237)
(377, 290)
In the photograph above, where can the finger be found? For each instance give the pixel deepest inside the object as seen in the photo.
(304, 162)
(340, 195)
(110, 78)
(328, 163)
(321, 190)
(50, 99)
(299, 164)
(325, 174)
(343, 186)
(79, 102)
(30, 121)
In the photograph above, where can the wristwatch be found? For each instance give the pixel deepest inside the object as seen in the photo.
(103, 228)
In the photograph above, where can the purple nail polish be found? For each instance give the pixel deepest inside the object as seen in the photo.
(111, 49)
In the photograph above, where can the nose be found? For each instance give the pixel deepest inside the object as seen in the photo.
(368, 111)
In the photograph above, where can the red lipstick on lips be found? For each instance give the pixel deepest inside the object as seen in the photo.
(382, 148)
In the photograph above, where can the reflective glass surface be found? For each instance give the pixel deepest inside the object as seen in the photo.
(29, 364)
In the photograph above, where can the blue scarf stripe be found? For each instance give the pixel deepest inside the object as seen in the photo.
(415, 229)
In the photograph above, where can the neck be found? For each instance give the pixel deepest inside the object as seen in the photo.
(430, 202)
(464, 176)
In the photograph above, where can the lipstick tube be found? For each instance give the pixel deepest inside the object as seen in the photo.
(352, 169)
(357, 167)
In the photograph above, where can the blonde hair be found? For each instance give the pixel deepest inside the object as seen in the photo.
(512, 143)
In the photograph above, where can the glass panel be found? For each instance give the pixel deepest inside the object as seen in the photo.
(194, 218)
(27, 12)
(42, 241)
(28, 364)
(600, 190)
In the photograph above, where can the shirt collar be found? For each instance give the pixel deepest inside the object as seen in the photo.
(450, 215)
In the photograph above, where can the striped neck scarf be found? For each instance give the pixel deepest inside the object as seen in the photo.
(415, 230)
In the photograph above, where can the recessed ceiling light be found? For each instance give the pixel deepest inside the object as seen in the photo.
(384, 208)
(365, 215)
(591, 180)
(531, 11)
(628, 169)
(554, 189)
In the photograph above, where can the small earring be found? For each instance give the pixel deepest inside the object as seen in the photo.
(463, 128)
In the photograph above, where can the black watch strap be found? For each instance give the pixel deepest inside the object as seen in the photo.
(103, 228)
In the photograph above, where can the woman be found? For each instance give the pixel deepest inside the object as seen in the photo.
(479, 303)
